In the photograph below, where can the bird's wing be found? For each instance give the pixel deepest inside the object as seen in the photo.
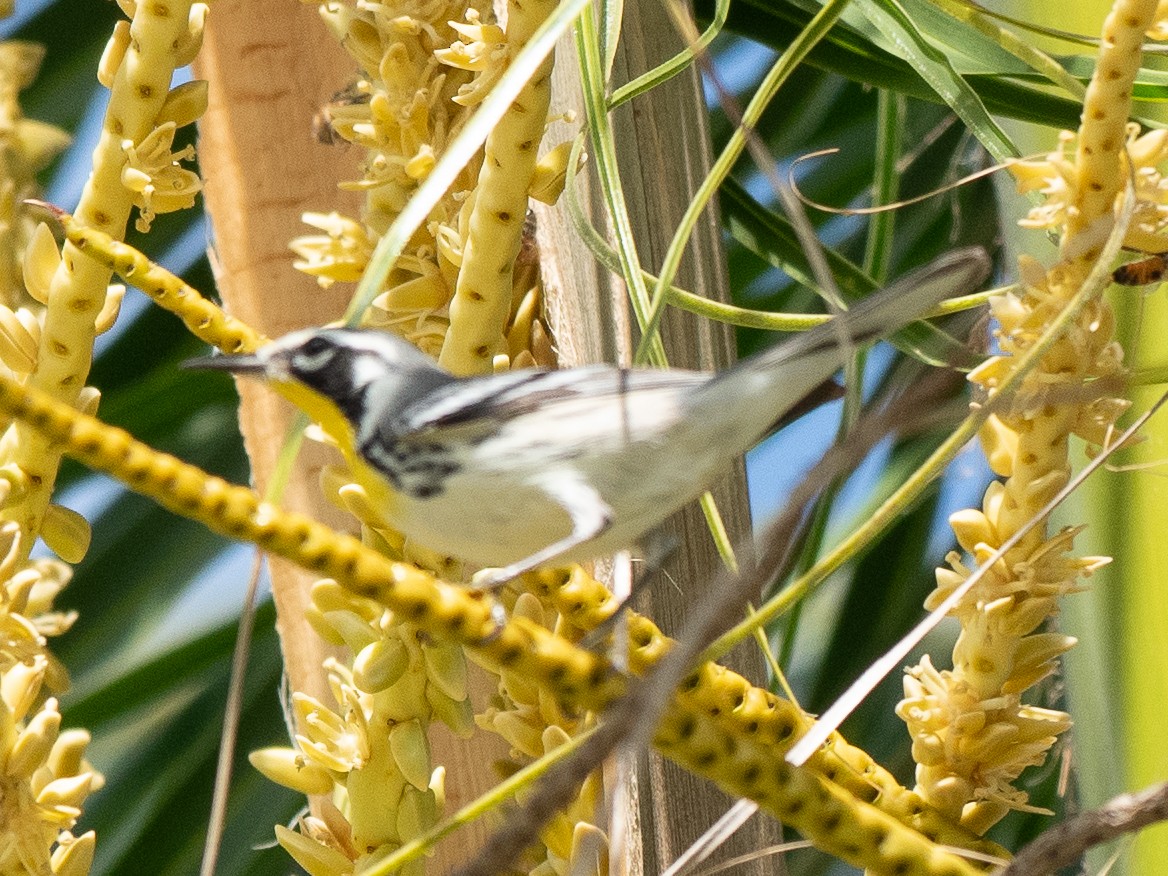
(500, 397)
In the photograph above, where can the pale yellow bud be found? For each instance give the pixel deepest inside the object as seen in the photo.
(110, 309)
(411, 752)
(68, 755)
(20, 685)
(520, 734)
(315, 858)
(66, 533)
(455, 714)
(20, 62)
(423, 161)
(353, 628)
(88, 400)
(290, 768)
(1000, 444)
(416, 813)
(189, 45)
(74, 855)
(589, 855)
(34, 742)
(41, 259)
(65, 794)
(20, 334)
(184, 104)
(438, 787)
(114, 53)
(446, 668)
(551, 172)
(380, 664)
(321, 626)
(971, 528)
(39, 142)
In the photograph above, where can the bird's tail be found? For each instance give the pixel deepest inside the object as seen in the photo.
(775, 380)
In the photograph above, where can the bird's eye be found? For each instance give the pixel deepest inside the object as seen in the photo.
(315, 352)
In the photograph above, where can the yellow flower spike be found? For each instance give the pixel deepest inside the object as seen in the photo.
(205, 320)
(73, 856)
(34, 743)
(113, 54)
(138, 90)
(482, 298)
(316, 858)
(446, 669)
(290, 768)
(856, 832)
(41, 260)
(110, 310)
(184, 104)
(66, 533)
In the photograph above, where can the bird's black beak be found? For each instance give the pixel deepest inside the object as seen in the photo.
(243, 364)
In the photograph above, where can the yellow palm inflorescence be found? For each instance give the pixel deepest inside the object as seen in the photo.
(972, 734)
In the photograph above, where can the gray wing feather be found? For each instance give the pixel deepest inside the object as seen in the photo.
(500, 397)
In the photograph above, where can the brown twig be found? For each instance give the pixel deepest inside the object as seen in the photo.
(1064, 843)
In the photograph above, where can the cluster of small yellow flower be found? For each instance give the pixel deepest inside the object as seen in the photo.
(972, 734)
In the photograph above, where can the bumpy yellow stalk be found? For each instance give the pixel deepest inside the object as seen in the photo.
(482, 297)
(205, 319)
(743, 710)
(825, 813)
(972, 735)
(132, 164)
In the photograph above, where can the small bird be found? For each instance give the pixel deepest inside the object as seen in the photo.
(523, 469)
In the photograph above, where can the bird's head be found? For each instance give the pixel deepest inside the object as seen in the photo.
(326, 372)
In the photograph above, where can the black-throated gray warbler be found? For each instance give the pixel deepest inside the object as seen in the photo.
(522, 469)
